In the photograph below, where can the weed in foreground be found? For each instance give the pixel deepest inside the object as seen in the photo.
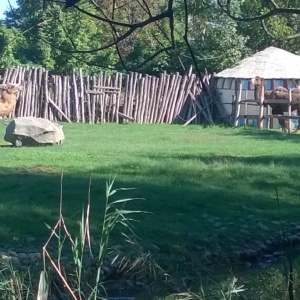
(13, 284)
(83, 283)
(227, 291)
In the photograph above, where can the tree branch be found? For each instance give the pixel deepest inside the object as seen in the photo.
(154, 55)
(133, 27)
(171, 22)
(114, 31)
(185, 37)
(70, 3)
(289, 37)
(272, 12)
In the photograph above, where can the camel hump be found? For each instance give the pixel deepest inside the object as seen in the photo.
(280, 94)
(281, 89)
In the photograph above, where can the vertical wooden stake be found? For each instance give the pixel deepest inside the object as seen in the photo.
(238, 105)
(261, 108)
(289, 111)
(246, 120)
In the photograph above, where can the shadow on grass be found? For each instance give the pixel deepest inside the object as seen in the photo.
(29, 200)
(183, 211)
(287, 161)
(269, 135)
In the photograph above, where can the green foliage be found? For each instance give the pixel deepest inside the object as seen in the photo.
(183, 170)
(215, 39)
(278, 27)
(48, 30)
(12, 43)
(189, 176)
(41, 33)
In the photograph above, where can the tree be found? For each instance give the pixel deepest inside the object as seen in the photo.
(134, 25)
(12, 44)
(43, 21)
(214, 37)
(278, 18)
(139, 31)
(152, 35)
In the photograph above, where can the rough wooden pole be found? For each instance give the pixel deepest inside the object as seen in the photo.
(261, 108)
(46, 95)
(238, 105)
(289, 111)
(76, 99)
(81, 97)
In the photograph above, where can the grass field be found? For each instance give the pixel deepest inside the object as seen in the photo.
(189, 176)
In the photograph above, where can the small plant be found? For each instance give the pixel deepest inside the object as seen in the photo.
(84, 283)
(232, 289)
(137, 264)
(226, 292)
(13, 285)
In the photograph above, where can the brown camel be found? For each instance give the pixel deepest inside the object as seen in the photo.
(278, 93)
(8, 98)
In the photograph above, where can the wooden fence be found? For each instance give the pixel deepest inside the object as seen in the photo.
(169, 98)
(262, 105)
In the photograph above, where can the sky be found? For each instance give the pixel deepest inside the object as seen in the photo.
(5, 6)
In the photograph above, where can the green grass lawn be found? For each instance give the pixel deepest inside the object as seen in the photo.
(187, 175)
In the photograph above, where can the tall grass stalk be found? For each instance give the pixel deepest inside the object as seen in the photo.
(114, 214)
(112, 217)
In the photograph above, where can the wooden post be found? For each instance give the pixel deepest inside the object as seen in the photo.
(81, 96)
(174, 100)
(289, 111)
(246, 120)
(88, 96)
(270, 120)
(68, 95)
(64, 97)
(93, 102)
(261, 108)
(51, 95)
(154, 100)
(46, 95)
(238, 104)
(160, 85)
(76, 99)
(127, 94)
(118, 96)
(40, 92)
(33, 95)
(106, 102)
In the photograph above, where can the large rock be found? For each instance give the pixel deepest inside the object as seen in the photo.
(31, 131)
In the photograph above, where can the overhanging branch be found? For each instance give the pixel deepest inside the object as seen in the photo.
(272, 12)
(117, 39)
(289, 37)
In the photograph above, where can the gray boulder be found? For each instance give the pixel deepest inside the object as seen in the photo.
(31, 131)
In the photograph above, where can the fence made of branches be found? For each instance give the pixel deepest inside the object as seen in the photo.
(168, 98)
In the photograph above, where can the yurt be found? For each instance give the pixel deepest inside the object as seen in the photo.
(277, 66)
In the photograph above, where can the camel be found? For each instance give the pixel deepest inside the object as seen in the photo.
(8, 98)
(278, 93)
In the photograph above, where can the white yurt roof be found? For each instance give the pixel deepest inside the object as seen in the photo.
(271, 63)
